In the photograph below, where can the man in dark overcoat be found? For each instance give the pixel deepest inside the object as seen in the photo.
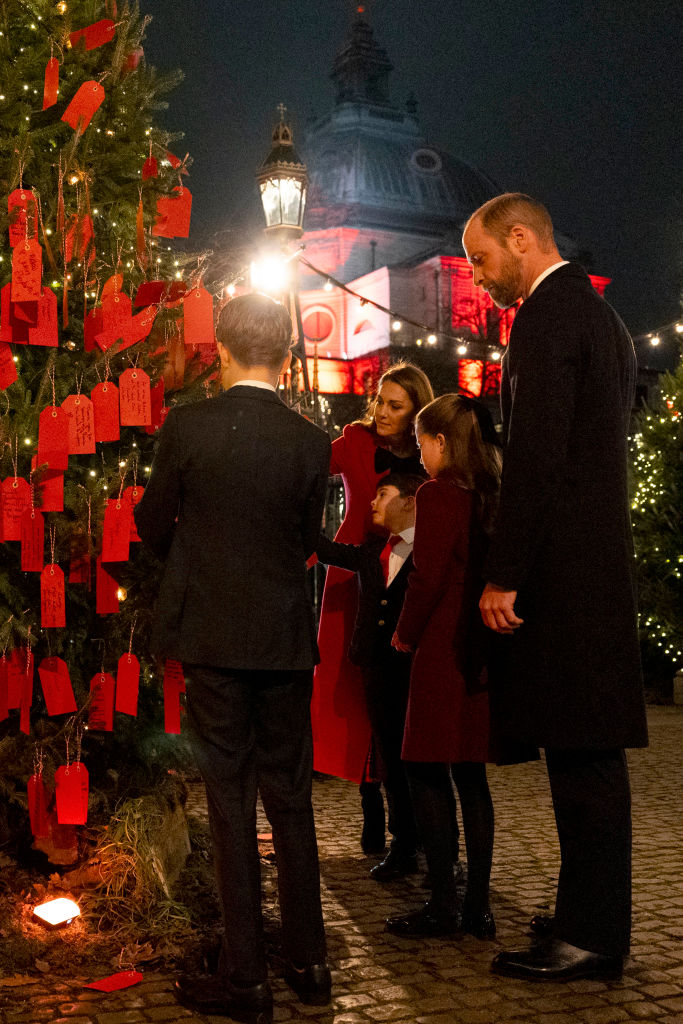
(233, 507)
(561, 574)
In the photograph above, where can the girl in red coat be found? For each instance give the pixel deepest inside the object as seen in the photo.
(382, 441)
(447, 724)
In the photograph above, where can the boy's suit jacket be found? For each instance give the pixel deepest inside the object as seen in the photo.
(379, 606)
(233, 506)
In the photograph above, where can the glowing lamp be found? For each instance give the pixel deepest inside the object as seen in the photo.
(271, 274)
(59, 912)
(282, 180)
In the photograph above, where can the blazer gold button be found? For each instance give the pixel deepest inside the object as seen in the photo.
(383, 602)
(381, 622)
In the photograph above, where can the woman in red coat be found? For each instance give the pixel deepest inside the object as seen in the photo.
(381, 442)
(447, 724)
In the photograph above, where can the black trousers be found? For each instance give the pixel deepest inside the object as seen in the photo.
(251, 733)
(386, 683)
(592, 802)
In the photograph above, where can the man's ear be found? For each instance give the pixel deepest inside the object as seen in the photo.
(519, 238)
(409, 502)
(223, 355)
(287, 363)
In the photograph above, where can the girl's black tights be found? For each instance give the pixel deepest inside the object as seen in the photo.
(430, 784)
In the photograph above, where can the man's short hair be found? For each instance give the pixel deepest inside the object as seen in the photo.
(256, 330)
(499, 215)
(406, 484)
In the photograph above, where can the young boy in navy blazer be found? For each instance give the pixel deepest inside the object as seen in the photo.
(382, 568)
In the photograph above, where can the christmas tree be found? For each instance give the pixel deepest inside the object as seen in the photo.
(657, 466)
(103, 323)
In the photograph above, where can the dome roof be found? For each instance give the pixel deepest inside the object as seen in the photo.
(368, 162)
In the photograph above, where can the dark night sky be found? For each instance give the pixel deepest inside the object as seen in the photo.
(575, 101)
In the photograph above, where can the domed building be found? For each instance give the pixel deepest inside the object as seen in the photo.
(385, 213)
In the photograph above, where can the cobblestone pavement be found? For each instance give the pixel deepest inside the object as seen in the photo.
(381, 978)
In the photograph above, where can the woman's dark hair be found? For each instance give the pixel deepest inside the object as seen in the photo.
(473, 455)
(414, 382)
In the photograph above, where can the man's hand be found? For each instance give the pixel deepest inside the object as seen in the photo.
(402, 648)
(497, 608)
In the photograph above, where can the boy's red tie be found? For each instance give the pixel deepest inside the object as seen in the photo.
(384, 555)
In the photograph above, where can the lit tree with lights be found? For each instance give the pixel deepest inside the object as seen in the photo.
(103, 325)
(657, 467)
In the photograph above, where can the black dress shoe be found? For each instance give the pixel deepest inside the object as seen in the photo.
(312, 984)
(394, 865)
(425, 923)
(542, 925)
(212, 994)
(481, 925)
(554, 960)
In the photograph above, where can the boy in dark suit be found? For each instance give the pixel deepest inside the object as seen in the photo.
(233, 507)
(382, 568)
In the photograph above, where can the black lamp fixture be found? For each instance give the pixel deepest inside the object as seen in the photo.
(282, 179)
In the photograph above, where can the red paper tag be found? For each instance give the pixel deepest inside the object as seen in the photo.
(132, 60)
(106, 587)
(51, 83)
(157, 397)
(79, 560)
(173, 214)
(149, 168)
(101, 712)
(94, 35)
(71, 791)
(156, 292)
(92, 326)
(198, 317)
(81, 415)
(8, 368)
(79, 236)
(135, 400)
(117, 316)
(134, 496)
(4, 709)
(139, 327)
(38, 799)
(53, 438)
(49, 485)
(174, 685)
(27, 271)
(105, 400)
(87, 100)
(32, 541)
(19, 669)
(52, 601)
(46, 330)
(122, 979)
(173, 160)
(23, 216)
(116, 530)
(127, 684)
(16, 498)
(57, 689)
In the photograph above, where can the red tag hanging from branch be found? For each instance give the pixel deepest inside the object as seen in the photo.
(71, 792)
(57, 688)
(173, 214)
(83, 106)
(79, 560)
(134, 398)
(150, 168)
(140, 245)
(4, 709)
(106, 590)
(8, 368)
(174, 685)
(32, 541)
(105, 400)
(92, 326)
(79, 410)
(23, 216)
(38, 799)
(134, 495)
(79, 239)
(101, 714)
(16, 671)
(52, 601)
(157, 397)
(117, 319)
(116, 530)
(127, 684)
(94, 35)
(16, 498)
(51, 87)
(53, 438)
(198, 317)
(157, 292)
(27, 272)
(46, 330)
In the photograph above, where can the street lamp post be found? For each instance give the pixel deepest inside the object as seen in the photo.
(282, 180)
